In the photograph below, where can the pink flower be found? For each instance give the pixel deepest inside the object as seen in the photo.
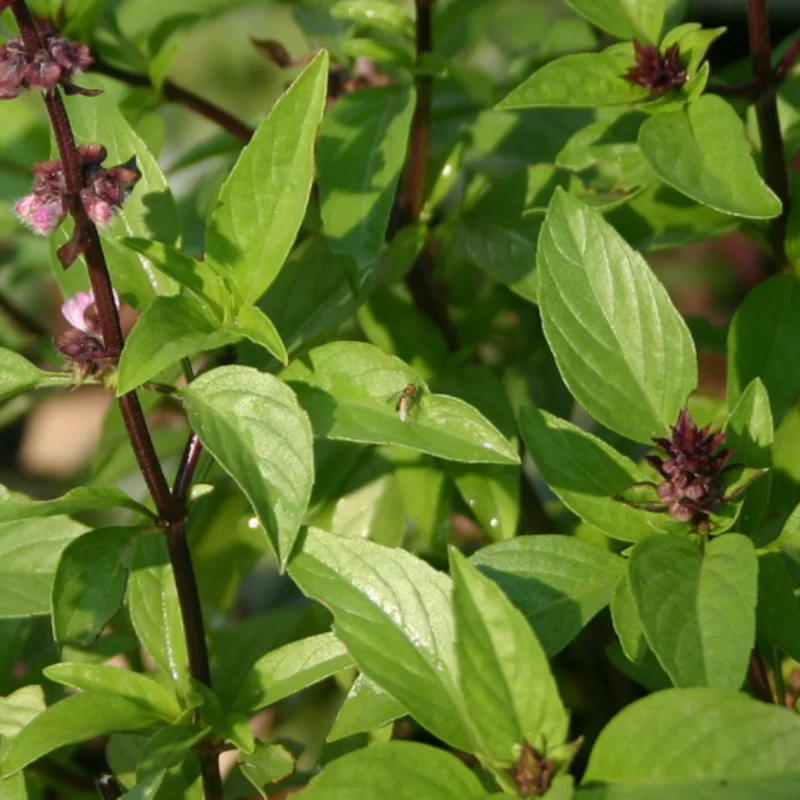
(42, 214)
(81, 313)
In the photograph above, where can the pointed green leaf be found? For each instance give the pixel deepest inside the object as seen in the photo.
(19, 708)
(15, 507)
(268, 763)
(750, 434)
(625, 19)
(171, 328)
(761, 343)
(289, 669)
(350, 391)
(627, 624)
(558, 582)
(622, 348)
(194, 276)
(117, 682)
(74, 719)
(378, 14)
(253, 426)
(503, 670)
(778, 613)
(393, 613)
(366, 708)
(90, 582)
(587, 475)
(361, 152)
(697, 608)
(154, 608)
(729, 746)
(261, 205)
(17, 374)
(253, 323)
(702, 151)
(29, 555)
(585, 80)
(400, 770)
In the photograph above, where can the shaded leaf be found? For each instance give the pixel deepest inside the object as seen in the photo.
(702, 151)
(558, 582)
(401, 770)
(697, 606)
(253, 426)
(90, 582)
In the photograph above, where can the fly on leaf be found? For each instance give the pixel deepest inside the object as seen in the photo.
(406, 399)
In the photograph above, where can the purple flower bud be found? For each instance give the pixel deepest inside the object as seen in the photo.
(656, 72)
(98, 210)
(692, 486)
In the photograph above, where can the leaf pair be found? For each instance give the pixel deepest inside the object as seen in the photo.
(252, 229)
(457, 655)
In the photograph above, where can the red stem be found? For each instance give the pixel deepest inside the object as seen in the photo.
(177, 94)
(171, 508)
(775, 170)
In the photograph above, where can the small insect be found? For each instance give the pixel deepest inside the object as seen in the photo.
(406, 399)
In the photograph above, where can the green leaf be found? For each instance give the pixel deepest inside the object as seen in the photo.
(393, 613)
(659, 218)
(627, 624)
(400, 770)
(367, 707)
(149, 213)
(558, 582)
(89, 584)
(117, 682)
(350, 391)
(171, 328)
(761, 343)
(361, 152)
(587, 475)
(750, 434)
(291, 668)
(625, 19)
(585, 80)
(154, 608)
(17, 374)
(490, 490)
(253, 426)
(75, 719)
(168, 748)
(697, 609)
(730, 746)
(261, 205)
(778, 614)
(14, 507)
(195, 276)
(29, 554)
(503, 670)
(622, 348)
(253, 323)
(792, 244)
(19, 708)
(392, 321)
(702, 151)
(268, 763)
(378, 14)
